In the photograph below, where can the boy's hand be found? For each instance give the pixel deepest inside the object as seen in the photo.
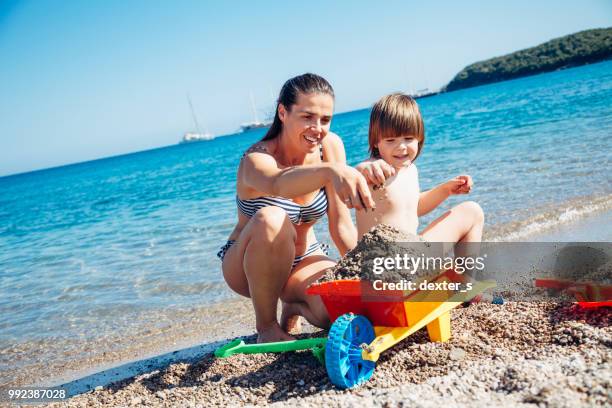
(376, 172)
(459, 185)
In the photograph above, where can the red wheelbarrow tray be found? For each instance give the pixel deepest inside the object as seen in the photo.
(588, 294)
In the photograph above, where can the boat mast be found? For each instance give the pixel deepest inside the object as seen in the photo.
(193, 115)
(253, 107)
(426, 74)
(409, 90)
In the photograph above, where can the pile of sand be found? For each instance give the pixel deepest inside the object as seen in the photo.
(584, 263)
(602, 275)
(381, 241)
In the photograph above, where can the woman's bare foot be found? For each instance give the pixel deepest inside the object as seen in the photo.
(273, 334)
(293, 325)
(290, 318)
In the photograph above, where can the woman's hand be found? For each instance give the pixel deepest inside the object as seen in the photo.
(352, 187)
(376, 172)
(459, 185)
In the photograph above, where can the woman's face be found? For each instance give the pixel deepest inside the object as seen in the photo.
(399, 151)
(308, 121)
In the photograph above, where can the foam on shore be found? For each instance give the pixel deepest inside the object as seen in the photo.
(558, 223)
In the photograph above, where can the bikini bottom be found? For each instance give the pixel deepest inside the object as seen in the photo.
(309, 251)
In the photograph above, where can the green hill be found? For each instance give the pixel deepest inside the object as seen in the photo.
(584, 47)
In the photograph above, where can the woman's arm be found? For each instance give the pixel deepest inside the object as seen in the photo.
(341, 227)
(429, 200)
(262, 173)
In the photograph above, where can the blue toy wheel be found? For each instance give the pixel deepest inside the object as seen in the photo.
(343, 361)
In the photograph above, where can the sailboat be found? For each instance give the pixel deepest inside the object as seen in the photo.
(256, 123)
(198, 136)
(421, 93)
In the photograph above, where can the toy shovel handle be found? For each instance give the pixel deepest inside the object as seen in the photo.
(238, 346)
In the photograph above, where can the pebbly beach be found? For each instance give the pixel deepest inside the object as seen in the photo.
(509, 355)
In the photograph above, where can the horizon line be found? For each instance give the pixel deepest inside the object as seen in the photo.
(76, 163)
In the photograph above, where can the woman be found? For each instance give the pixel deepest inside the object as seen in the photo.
(285, 183)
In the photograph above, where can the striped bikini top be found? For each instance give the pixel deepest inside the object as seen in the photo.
(297, 213)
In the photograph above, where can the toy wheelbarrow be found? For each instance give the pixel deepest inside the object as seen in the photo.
(368, 322)
(587, 294)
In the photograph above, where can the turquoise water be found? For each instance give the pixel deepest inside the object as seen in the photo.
(91, 248)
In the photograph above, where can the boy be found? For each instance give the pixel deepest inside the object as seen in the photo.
(396, 138)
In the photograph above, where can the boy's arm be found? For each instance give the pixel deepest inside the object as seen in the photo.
(430, 199)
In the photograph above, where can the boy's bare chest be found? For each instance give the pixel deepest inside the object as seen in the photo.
(401, 193)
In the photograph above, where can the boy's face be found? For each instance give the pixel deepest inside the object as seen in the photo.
(398, 151)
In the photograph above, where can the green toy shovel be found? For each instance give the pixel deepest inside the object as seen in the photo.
(316, 346)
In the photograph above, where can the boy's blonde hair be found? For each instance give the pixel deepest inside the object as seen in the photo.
(395, 115)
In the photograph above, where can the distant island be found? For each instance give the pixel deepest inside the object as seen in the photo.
(584, 47)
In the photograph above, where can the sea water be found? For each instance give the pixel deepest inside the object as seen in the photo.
(114, 245)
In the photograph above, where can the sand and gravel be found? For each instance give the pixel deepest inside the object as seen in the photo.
(530, 354)
(536, 353)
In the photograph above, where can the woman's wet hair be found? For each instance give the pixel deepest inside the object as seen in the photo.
(395, 115)
(305, 84)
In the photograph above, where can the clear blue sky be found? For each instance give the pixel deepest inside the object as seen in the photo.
(87, 79)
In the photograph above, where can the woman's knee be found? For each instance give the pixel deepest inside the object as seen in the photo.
(474, 210)
(270, 222)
